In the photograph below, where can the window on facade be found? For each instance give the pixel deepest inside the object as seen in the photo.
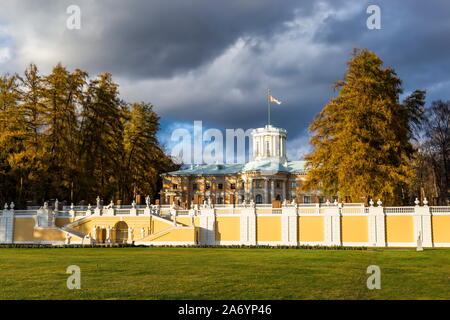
(258, 198)
(278, 185)
(220, 200)
(258, 184)
(220, 186)
(194, 186)
(293, 185)
(243, 185)
(207, 186)
(174, 186)
(232, 186)
(306, 199)
(321, 199)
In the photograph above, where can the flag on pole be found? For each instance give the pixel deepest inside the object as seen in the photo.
(272, 99)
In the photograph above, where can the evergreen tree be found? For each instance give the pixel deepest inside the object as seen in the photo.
(144, 159)
(29, 160)
(63, 137)
(62, 95)
(101, 145)
(361, 139)
(10, 134)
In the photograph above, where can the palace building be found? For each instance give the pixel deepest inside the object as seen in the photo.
(268, 178)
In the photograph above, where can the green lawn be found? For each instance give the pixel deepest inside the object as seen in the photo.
(219, 273)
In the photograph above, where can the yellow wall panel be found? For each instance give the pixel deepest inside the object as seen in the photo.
(174, 235)
(187, 221)
(48, 235)
(355, 229)
(268, 228)
(60, 222)
(23, 229)
(441, 229)
(400, 228)
(228, 229)
(310, 229)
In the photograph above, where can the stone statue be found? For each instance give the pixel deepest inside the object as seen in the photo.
(142, 232)
(147, 201)
(11, 206)
(419, 242)
(94, 232)
(98, 202)
(68, 238)
(56, 205)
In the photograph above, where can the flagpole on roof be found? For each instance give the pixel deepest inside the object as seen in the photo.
(268, 107)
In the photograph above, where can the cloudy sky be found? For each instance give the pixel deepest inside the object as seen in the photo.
(213, 60)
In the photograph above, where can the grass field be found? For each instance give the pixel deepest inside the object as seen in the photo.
(219, 273)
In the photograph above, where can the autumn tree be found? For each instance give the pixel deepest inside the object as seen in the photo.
(66, 136)
(61, 96)
(10, 134)
(28, 160)
(101, 144)
(144, 158)
(362, 138)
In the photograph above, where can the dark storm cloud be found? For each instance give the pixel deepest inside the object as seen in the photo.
(214, 60)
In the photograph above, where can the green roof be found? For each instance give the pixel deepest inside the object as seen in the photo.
(263, 166)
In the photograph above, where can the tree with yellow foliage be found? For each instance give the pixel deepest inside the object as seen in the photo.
(362, 137)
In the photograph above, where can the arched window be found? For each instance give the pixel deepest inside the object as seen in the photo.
(121, 232)
(258, 198)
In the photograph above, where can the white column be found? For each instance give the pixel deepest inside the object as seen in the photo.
(372, 226)
(272, 190)
(266, 190)
(279, 145)
(422, 225)
(289, 228)
(273, 147)
(248, 226)
(332, 225)
(7, 225)
(207, 226)
(377, 226)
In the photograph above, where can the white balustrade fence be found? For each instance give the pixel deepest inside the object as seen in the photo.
(333, 215)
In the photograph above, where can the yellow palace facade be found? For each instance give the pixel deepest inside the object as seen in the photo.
(268, 178)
